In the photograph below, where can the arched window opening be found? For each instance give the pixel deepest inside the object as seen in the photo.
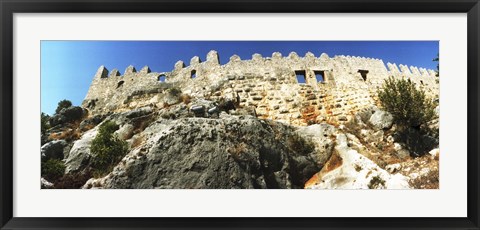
(162, 78)
(120, 83)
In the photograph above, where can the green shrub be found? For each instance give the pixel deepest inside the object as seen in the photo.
(375, 182)
(53, 169)
(409, 106)
(107, 150)
(44, 123)
(175, 92)
(62, 105)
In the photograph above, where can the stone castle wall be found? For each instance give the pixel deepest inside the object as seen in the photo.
(267, 84)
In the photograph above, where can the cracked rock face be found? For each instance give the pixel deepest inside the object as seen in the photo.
(233, 152)
(351, 170)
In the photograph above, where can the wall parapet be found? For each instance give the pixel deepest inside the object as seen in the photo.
(262, 81)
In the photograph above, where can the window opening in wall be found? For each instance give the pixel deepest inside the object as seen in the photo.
(193, 74)
(301, 76)
(120, 83)
(363, 73)
(161, 78)
(320, 76)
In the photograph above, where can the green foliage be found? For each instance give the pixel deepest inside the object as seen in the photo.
(175, 92)
(53, 169)
(437, 59)
(107, 150)
(44, 123)
(375, 182)
(409, 106)
(63, 104)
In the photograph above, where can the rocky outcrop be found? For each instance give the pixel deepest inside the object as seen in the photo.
(45, 184)
(231, 152)
(53, 150)
(381, 120)
(66, 115)
(351, 170)
(80, 153)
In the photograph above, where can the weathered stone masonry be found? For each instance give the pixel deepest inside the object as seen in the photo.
(268, 84)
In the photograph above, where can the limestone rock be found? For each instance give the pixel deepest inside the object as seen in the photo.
(188, 153)
(53, 150)
(91, 122)
(80, 153)
(125, 132)
(45, 184)
(70, 114)
(351, 170)
(138, 112)
(381, 120)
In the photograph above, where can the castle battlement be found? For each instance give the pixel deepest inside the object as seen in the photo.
(290, 88)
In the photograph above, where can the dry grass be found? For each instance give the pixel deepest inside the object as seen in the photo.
(88, 127)
(68, 135)
(429, 181)
(186, 99)
(141, 123)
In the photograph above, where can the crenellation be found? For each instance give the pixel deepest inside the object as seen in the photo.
(293, 56)
(145, 70)
(195, 61)
(405, 71)
(257, 57)
(334, 87)
(114, 73)
(213, 58)
(179, 65)
(102, 72)
(276, 56)
(235, 58)
(130, 70)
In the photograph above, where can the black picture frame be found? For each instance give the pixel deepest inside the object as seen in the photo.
(9, 7)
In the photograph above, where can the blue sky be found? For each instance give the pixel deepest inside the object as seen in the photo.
(67, 67)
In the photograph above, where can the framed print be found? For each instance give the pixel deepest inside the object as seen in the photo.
(212, 114)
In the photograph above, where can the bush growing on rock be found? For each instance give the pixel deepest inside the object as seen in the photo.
(53, 169)
(107, 149)
(411, 109)
(409, 106)
(63, 104)
(175, 92)
(44, 123)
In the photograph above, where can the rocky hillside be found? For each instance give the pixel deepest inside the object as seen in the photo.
(197, 143)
